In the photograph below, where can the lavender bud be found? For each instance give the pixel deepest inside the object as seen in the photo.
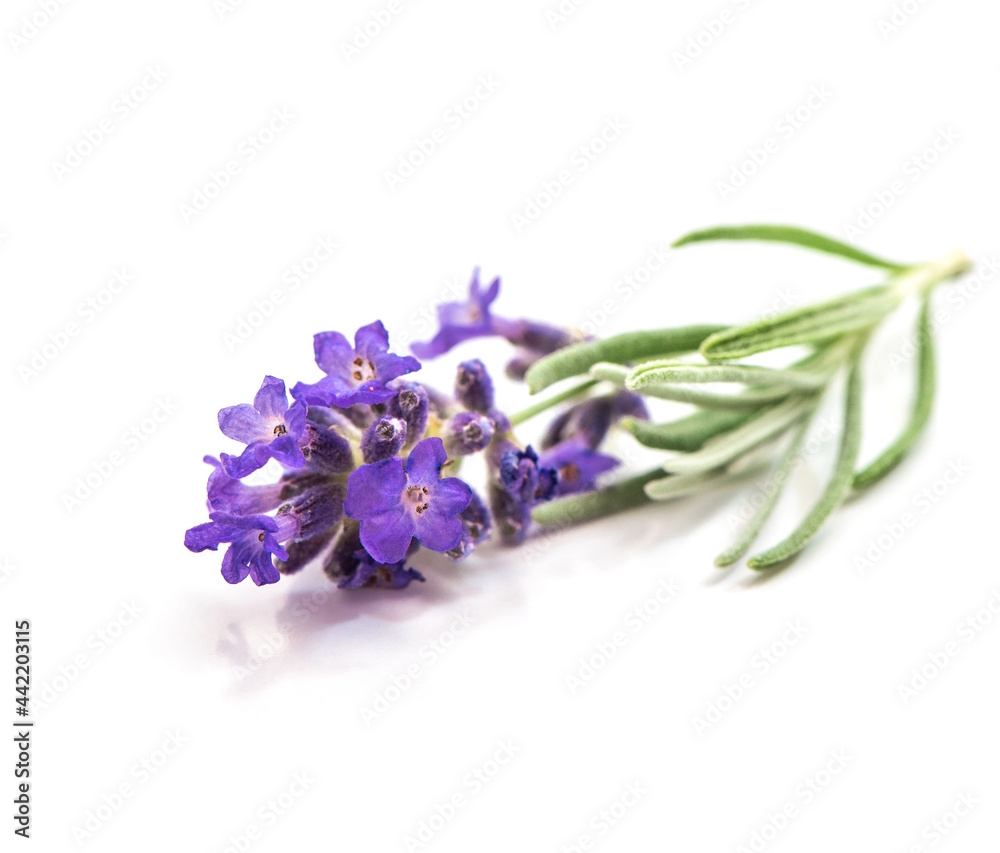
(466, 433)
(383, 440)
(473, 386)
(302, 553)
(411, 405)
(316, 510)
(327, 450)
(476, 527)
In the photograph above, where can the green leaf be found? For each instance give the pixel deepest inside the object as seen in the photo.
(788, 234)
(813, 324)
(838, 484)
(723, 449)
(922, 405)
(778, 478)
(661, 373)
(752, 398)
(681, 485)
(619, 349)
(686, 434)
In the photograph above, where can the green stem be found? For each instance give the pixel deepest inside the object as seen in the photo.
(523, 415)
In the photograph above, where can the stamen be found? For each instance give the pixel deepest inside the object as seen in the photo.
(280, 429)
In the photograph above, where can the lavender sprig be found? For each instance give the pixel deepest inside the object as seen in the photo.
(369, 455)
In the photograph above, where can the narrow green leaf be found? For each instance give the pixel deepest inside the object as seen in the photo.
(922, 405)
(778, 478)
(752, 398)
(838, 484)
(725, 448)
(617, 497)
(681, 485)
(660, 373)
(619, 349)
(788, 234)
(686, 434)
(809, 325)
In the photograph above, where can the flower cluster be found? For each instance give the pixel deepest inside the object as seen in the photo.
(368, 457)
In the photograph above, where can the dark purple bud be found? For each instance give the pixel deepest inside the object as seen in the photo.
(476, 527)
(383, 440)
(411, 405)
(351, 567)
(343, 562)
(473, 386)
(316, 510)
(466, 433)
(302, 553)
(591, 419)
(327, 450)
(540, 337)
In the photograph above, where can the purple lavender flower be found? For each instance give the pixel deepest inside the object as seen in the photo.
(396, 503)
(462, 321)
(227, 494)
(253, 539)
(269, 428)
(355, 374)
(576, 465)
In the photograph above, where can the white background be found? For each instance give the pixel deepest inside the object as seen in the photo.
(115, 693)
